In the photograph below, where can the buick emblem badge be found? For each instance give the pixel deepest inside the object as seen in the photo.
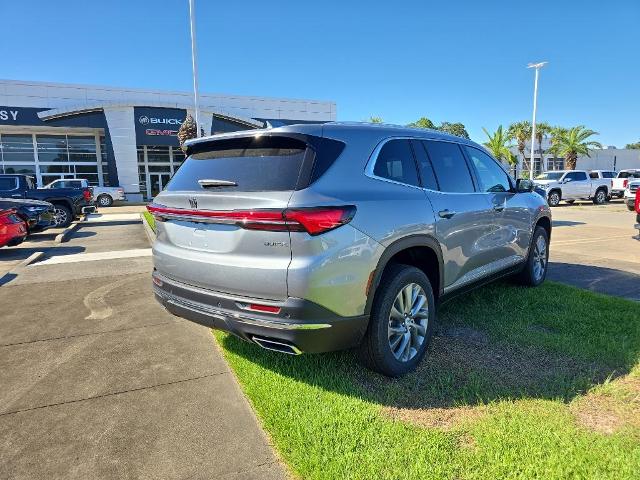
(193, 202)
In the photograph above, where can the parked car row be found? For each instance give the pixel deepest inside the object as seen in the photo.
(68, 202)
(598, 186)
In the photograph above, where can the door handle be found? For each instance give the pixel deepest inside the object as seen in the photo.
(446, 213)
(498, 208)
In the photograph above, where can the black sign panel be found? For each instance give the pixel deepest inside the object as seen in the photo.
(20, 116)
(158, 126)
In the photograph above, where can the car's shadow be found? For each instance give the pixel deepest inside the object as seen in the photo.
(466, 365)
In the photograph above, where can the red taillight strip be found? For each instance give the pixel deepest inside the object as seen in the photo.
(313, 220)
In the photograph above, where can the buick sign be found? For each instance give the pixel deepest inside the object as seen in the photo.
(144, 120)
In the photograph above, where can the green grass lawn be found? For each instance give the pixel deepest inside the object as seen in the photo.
(519, 383)
(150, 220)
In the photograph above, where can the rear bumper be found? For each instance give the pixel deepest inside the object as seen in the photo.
(300, 323)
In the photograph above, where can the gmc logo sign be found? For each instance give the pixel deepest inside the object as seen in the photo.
(154, 132)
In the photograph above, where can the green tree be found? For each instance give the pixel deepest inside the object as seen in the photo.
(520, 132)
(375, 119)
(569, 143)
(457, 129)
(633, 146)
(499, 144)
(423, 122)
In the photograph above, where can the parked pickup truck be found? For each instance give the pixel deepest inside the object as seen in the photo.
(620, 182)
(630, 193)
(103, 196)
(68, 203)
(571, 185)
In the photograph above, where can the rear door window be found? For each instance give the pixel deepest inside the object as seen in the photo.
(250, 164)
(450, 166)
(395, 162)
(427, 174)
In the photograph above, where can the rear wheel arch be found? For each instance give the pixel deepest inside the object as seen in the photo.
(421, 251)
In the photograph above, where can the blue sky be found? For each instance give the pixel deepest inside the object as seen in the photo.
(456, 61)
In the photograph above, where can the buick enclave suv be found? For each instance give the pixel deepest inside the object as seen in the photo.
(312, 238)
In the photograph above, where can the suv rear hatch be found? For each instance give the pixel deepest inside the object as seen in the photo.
(221, 217)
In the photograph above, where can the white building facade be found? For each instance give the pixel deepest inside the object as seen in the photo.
(609, 158)
(118, 136)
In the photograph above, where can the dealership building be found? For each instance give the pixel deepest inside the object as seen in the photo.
(121, 136)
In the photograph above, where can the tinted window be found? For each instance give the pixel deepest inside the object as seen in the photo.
(450, 167)
(629, 174)
(575, 176)
(491, 176)
(253, 163)
(427, 175)
(594, 175)
(609, 174)
(395, 162)
(8, 183)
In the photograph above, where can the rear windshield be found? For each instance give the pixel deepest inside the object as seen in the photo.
(260, 163)
(629, 174)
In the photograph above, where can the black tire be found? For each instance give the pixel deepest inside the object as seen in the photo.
(63, 216)
(529, 276)
(631, 208)
(375, 351)
(104, 200)
(554, 198)
(600, 197)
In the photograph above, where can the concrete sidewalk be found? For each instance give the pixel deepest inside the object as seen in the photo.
(98, 381)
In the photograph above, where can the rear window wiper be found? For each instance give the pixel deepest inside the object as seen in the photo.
(212, 182)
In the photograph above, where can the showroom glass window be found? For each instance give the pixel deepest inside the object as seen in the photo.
(156, 165)
(492, 177)
(16, 154)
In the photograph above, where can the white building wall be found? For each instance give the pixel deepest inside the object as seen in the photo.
(123, 138)
(21, 93)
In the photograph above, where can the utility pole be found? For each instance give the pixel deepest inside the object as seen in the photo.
(194, 63)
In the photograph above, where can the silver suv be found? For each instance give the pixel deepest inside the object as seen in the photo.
(312, 238)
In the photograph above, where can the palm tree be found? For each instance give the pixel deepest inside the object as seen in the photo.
(499, 145)
(520, 132)
(543, 129)
(569, 143)
(375, 119)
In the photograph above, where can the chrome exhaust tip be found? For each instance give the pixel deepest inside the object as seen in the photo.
(276, 346)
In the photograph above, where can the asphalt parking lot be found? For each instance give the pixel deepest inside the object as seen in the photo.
(592, 247)
(98, 381)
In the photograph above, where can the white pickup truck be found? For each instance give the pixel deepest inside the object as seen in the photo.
(622, 179)
(103, 196)
(572, 185)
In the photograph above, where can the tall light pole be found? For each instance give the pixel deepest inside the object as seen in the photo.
(194, 63)
(537, 66)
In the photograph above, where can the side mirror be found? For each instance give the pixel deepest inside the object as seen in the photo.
(524, 185)
(566, 180)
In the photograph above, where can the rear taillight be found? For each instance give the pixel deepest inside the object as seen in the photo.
(638, 201)
(263, 308)
(313, 220)
(625, 183)
(86, 194)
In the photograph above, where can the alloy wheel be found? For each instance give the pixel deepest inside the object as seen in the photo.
(59, 216)
(600, 197)
(408, 322)
(539, 258)
(554, 199)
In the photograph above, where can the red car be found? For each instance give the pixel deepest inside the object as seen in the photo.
(12, 228)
